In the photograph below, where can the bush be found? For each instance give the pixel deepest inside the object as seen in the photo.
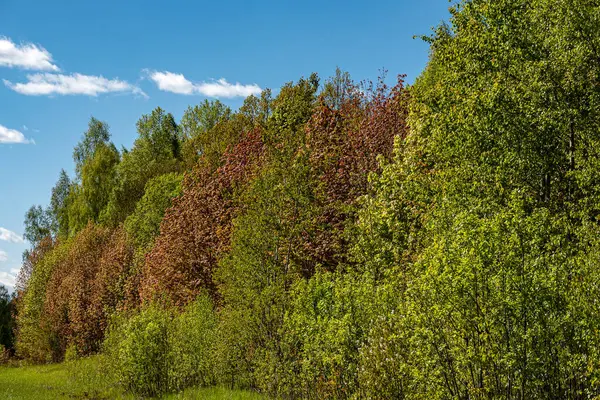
(136, 349)
(158, 350)
(326, 323)
(191, 345)
(71, 353)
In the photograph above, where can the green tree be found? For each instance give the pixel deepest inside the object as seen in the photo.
(207, 131)
(338, 89)
(74, 204)
(211, 128)
(98, 176)
(257, 110)
(38, 225)
(265, 254)
(35, 340)
(87, 200)
(480, 223)
(155, 152)
(144, 223)
(97, 133)
(198, 120)
(59, 204)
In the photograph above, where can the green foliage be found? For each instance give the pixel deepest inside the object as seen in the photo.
(59, 204)
(136, 347)
(345, 333)
(155, 152)
(256, 110)
(144, 223)
(191, 346)
(464, 265)
(263, 261)
(338, 89)
(98, 176)
(35, 340)
(325, 330)
(199, 120)
(206, 131)
(291, 110)
(159, 350)
(96, 160)
(38, 225)
(96, 135)
(78, 212)
(499, 122)
(210, 129)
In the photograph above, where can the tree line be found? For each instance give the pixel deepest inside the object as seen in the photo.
(346, 240)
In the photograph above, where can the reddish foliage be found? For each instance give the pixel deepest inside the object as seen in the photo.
(68, 291)
(344, 145)
(109, 286)
(196, 230)
(86, 287)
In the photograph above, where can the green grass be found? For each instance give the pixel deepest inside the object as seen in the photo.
(82, 380)
(214, 394)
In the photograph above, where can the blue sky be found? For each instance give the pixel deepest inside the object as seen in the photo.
(62, 62)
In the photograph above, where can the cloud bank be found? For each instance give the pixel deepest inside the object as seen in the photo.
(177, 83)
(12, 136)
(26, 56)
(75, 84)
(8, 279)
(9, 236)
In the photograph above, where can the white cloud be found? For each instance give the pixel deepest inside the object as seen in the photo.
(8, 279)
(3, 256)
(74, 84)
(177, 83)
(15, 271)
(10, 236)
(170, 82)
(26, 56)
(222, 88)
(8, 136)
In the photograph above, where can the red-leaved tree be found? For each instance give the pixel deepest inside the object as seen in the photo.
(196, 230)
(345, 138)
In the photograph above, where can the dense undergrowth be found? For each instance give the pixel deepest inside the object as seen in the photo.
(344, 240)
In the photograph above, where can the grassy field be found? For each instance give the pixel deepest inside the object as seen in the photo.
(80, 380)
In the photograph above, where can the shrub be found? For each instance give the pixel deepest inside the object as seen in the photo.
(191, 345)
(326, 323)
(158, 350)
(71, 353)
(136, 347)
